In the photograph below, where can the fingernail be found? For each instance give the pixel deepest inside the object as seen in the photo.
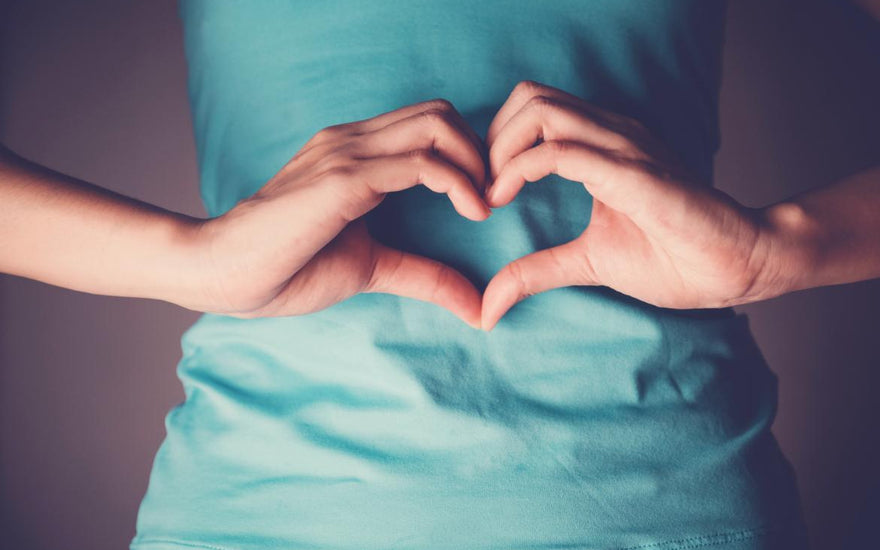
(490, 194)
(475, 325)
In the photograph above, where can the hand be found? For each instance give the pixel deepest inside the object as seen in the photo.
(300, 244)
(655, 233)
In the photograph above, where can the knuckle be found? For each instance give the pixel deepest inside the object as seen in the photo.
(422, 157)
(516, 272)
(340, 173)
(315, 152)
(330, 133)
(439, 104)
(556, 146)
(383, 271)
(333, 158)
(425, 162)
(623, 145)
(542, 103)
(626, 125)
(434, 118)
(527, 88)
(344, 153)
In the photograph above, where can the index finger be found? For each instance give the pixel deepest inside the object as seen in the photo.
(526, 90)
(385, 120)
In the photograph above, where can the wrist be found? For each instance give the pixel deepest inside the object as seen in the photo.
(788, 250)
(223, 281)
(181, 261)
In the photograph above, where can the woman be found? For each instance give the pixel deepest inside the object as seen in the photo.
(327, 409)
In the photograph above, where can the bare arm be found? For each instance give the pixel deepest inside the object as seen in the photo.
(69, 233)
(298, 245)
(829, 235)
(826, 236)
(655, 235)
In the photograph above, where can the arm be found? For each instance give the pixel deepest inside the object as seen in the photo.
(298, 245)
(66, 232)
(655, 233)
(826, 236)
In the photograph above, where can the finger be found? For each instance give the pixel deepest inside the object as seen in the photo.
(379, 175)
(526, 90)
(340, 138)
(521, 93)
(379, 121)
(430, 129)
(438, 104)
(546, 118)
(559, 266)
(385, 119)
(404, 274)
(349, 129)
(626, 186)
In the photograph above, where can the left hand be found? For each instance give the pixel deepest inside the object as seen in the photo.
(655, 233)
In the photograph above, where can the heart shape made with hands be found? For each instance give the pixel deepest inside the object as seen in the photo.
(652, 234)
(655, 233)
(517, 137)
(526, 141)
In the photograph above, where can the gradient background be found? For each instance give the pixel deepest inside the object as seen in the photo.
(96, 89)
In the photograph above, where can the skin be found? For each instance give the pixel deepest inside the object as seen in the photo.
(299, 244)
(296, 246)
(656, 233)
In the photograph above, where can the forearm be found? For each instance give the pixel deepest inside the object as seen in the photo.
(827, 236)
(72, 234)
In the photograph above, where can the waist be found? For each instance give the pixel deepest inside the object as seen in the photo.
(583, 418)
(575, 349)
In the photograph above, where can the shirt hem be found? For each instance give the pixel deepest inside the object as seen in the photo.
(730, 540)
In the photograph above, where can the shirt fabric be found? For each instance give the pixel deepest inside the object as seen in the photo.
(585, 420)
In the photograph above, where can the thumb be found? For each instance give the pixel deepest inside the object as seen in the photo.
(412, 276)
(555, 267)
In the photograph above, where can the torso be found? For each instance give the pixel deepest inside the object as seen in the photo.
(585, 419)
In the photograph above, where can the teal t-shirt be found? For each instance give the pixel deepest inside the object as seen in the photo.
(584, 420)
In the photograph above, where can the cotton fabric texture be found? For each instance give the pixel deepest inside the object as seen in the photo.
(584, 420)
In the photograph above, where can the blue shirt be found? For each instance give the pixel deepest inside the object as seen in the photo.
(585, 419)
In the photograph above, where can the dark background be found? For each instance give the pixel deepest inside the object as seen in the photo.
(96, 89)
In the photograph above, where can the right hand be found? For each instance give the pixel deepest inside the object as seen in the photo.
(300, 244)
